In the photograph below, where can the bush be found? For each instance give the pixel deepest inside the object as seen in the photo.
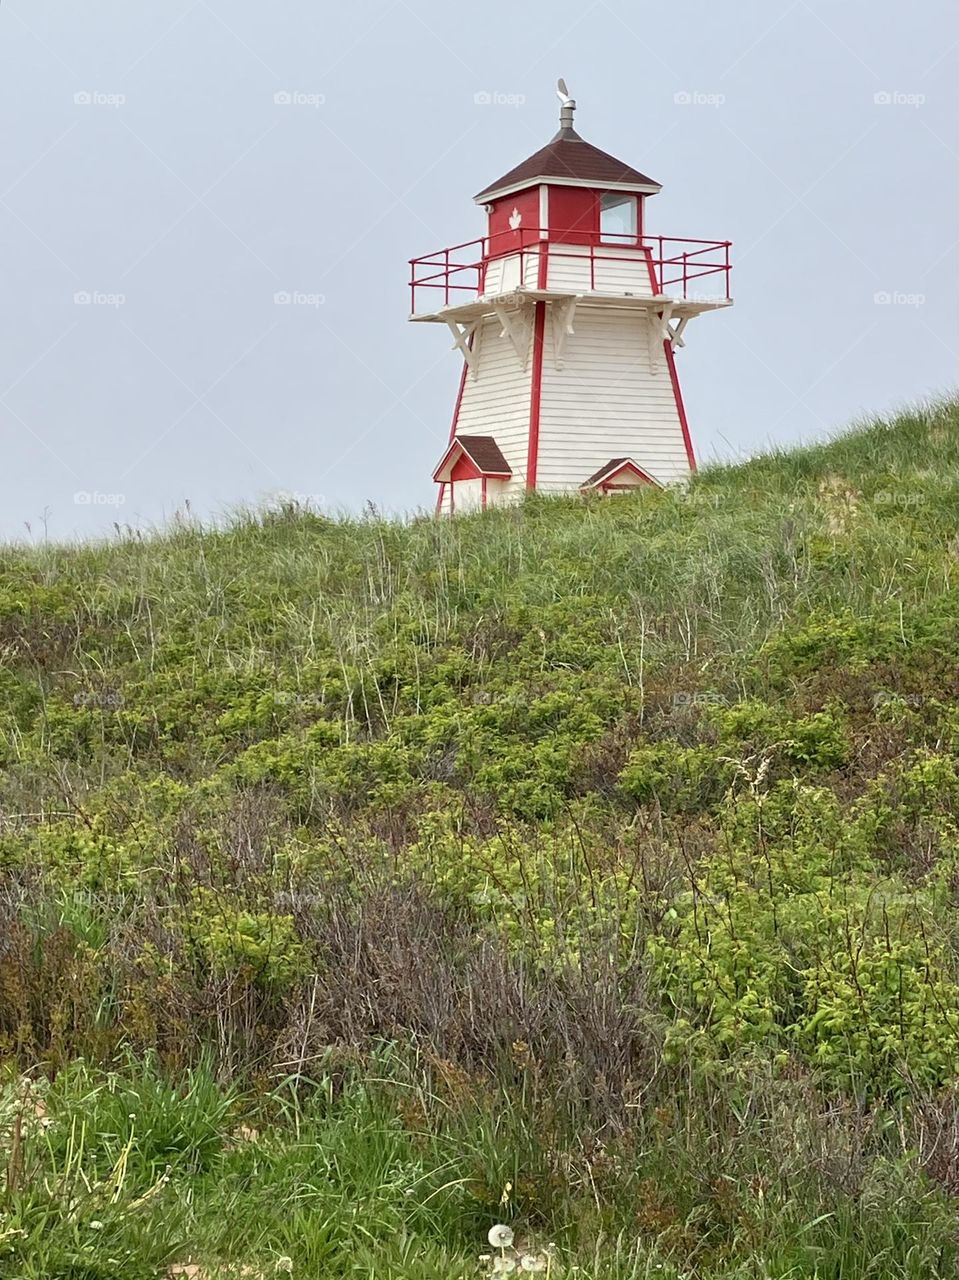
(679, 779)
(789, 941)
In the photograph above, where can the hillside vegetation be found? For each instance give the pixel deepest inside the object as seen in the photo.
(588, 866)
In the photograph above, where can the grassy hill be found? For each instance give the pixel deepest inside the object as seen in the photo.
(589, 866)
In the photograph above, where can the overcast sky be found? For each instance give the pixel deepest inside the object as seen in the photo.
(180, 164)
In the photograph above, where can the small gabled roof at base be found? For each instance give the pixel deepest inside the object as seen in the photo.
(616, 466)
(482, 451)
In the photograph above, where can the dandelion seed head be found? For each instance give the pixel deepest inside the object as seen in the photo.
(500, 1236)
(532, 1262)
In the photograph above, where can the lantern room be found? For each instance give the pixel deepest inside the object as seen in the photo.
(568, 192)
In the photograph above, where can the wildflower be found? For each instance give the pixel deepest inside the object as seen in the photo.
(532, 1262)
(284, 1264)
(503, 1266)
(500, 1236)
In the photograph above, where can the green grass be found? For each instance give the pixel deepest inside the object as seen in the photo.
(352, 871)
(338, 1185)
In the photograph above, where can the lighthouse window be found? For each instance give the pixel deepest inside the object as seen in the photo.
(617, 217)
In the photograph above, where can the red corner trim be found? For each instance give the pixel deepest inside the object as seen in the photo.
(673, 375)
(677, 392)
(535, 395)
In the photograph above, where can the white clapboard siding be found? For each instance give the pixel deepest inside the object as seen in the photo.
(498, 493)
(513, 270)
(567, 267)
(605, 403)
(614, 270)
(496, 402)
(467, 495)
(498, 272)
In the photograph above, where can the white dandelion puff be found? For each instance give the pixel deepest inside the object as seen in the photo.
(500, 1236)
(503, 1266)
(532, 1262)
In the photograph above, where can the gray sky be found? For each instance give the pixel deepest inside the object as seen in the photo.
(146, 163)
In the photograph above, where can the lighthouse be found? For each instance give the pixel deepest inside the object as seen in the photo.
(567, 315)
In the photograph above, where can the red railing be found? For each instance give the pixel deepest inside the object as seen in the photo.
(458, 274)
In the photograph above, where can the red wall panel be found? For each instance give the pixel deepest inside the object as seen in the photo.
(573, 214)
(503, 239)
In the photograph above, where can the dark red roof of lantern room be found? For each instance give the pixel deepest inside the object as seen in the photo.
(570, 160)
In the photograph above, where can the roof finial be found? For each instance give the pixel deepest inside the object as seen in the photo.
(568, 107)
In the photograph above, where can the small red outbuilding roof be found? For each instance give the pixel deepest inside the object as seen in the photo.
(613, 468)
(571, 161)
(482, 451)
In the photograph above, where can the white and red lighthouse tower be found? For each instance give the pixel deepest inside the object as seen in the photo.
(567, 314)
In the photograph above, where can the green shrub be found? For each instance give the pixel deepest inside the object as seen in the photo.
(231, 939)
(788, 940)
(679, 779)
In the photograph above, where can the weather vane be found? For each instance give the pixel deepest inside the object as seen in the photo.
(568, 107)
